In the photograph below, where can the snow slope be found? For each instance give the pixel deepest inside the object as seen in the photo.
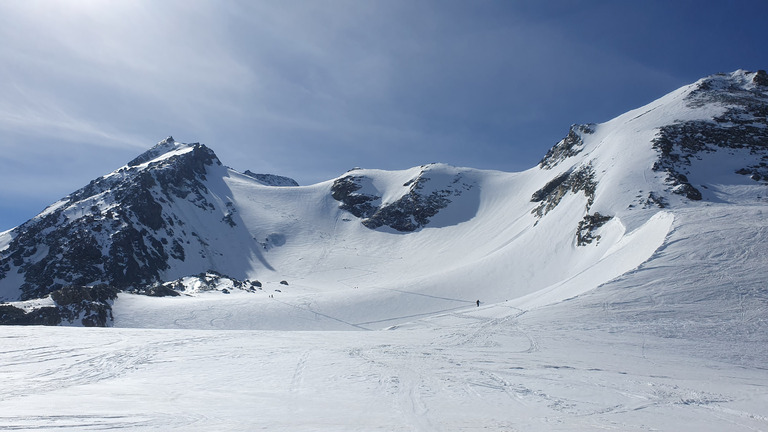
(678, 344)
(611, 298)
(492, 242)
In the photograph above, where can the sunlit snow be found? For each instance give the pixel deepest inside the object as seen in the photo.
(660, 324)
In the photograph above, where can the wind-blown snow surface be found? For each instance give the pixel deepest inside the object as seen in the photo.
(660, 324)
(651, 350)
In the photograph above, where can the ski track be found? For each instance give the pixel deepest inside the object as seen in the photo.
(298, 373)
(491, 367)
(630, 355)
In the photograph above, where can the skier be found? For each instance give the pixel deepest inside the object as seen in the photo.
(478, 303)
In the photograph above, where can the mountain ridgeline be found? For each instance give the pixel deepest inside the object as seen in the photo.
(175, 215)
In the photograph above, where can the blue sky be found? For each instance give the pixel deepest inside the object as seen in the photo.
(309, 89)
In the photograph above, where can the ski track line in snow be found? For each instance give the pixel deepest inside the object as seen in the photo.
(78, 366)
(428, 380)
(72, 422)
(308, 309)
(298, 373)
(405, 317)
(425, 295)
(411, 398)
(406, 381)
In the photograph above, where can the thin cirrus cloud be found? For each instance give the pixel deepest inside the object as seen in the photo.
(123, 56)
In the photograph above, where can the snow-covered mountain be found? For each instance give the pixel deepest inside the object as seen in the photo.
(621, 286)
(175, 220)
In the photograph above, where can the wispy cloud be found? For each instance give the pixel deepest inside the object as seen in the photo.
(28, 112)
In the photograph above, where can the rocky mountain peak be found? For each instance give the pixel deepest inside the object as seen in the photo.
(740, 127)
(735, 81)
(163, 147)
(404, 207)
(118, 229)
(571, 145)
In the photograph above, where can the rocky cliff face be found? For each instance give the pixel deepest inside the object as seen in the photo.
(742, 126)
(422, 199)
(73, 305)
(571, 145)
(722, 116)
(114, 230)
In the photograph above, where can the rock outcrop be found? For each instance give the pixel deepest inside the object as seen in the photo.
(72, 305)
(422, 199)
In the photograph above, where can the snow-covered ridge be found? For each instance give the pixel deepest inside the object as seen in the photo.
(164, 149)
(272, 179)
(621, 304)
(440, 235)
(410, 199)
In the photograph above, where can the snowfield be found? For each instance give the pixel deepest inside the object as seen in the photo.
(607, 302)
(653, 349)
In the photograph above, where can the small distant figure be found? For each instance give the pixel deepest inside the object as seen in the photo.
(478, 303)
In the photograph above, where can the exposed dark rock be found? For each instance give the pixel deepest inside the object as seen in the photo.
(228, 217)
(115, 238)
(134, 259)
(87, 306)
(585, 232)
(654, 200)
(91, 305)
(359, 204)
(73, 295)
(228, 220)
(160, 291)
(569, 146)
(688, 191)
(743, 126)
(550, 187)
(579, 180)
(141, 202)
(408, 213)
(412, 211)
(757, 173)
(761, 78)
(11, 315)
(162, 147)
(206, 281)
(183, 176)
(177, 251)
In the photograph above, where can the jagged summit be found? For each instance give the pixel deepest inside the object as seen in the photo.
(712, 131)
(740, 80)
(107, 232)
(735, 132)
(167, 146)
